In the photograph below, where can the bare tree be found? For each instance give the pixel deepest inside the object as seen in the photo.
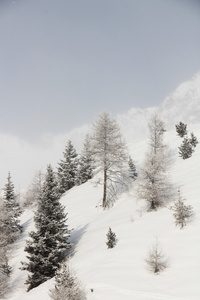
(154, 185)
(156, 260)
(109, 152)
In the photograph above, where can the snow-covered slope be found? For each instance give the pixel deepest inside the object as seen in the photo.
(121, 273)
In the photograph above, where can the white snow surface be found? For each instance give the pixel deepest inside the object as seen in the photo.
(121, 272)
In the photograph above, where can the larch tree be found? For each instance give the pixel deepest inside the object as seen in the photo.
(67, 168)
(49, 242)
(154, 185)
(110, 156)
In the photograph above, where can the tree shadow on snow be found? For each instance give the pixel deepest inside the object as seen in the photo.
(75, 238)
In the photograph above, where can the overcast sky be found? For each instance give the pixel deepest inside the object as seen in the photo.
(62, 62)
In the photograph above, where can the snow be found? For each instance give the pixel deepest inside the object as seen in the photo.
(121, 272)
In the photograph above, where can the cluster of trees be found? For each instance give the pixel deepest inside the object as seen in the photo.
(189, 143)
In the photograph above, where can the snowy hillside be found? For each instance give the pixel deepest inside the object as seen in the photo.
(121, 273)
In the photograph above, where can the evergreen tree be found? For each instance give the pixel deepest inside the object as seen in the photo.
(156, 260)
(132, 169)
(193, 140)
(154, 185)
(186, 149)
(111, 239)
(181, 129)
(12, 211)
(182, 212)
(67, 286)
(85, 169)
(67, 169)
(49, 242)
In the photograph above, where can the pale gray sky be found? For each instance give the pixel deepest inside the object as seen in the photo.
(62, 62)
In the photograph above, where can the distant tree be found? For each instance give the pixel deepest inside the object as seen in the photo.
(156, 260)
(86, 163)
(4, 267)
(154, 185)
(193, 140)
(12, 212)
(111, 239)
(182, 212)
(67, 285)
(132, 169)
(67, 169)
(186, 149)
(50, 240)
(110, 156)
(33, 193)
(181, 129)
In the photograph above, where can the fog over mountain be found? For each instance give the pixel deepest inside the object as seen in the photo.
(23, 159)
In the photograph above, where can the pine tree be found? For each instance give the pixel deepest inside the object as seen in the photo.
(111, 239)
(67, 169)
(12, 211)
(132, 169)
(193, 140)
(182, 212)
(67, 286)
(186, 149)
(85, 168)
(154, 185)
(181, 129)
(49, 242)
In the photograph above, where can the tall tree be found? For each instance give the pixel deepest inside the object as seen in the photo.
(13, 211)
(154, 185)
(109, 152)
(67, 168)
(86, 164)
(50, 240)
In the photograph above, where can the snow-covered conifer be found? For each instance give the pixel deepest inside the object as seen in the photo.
(181, 129)
(186, 149)
(156, 260)
(67, 285)
(182, 212)
(12, 212)
(111, 238)
(193, 140)
(67, 168)
(50, 240)
(132, 169)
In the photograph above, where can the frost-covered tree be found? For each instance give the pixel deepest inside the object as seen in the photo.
(67, 168)
(67, 285)
(181, 129)
(132, 169)
(110, 156)
(154, 185)
(12, 211)
(111, 238)
(193, 140)
(50, 240)
(33, 193)
(156, 260)
(182, 212)
(86, 164)
(186, 149)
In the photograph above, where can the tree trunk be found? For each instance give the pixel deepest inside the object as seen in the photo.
(104, 188)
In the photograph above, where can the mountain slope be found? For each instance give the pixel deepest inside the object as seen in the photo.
(121, 273)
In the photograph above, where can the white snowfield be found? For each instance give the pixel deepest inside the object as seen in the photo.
(121, 273)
